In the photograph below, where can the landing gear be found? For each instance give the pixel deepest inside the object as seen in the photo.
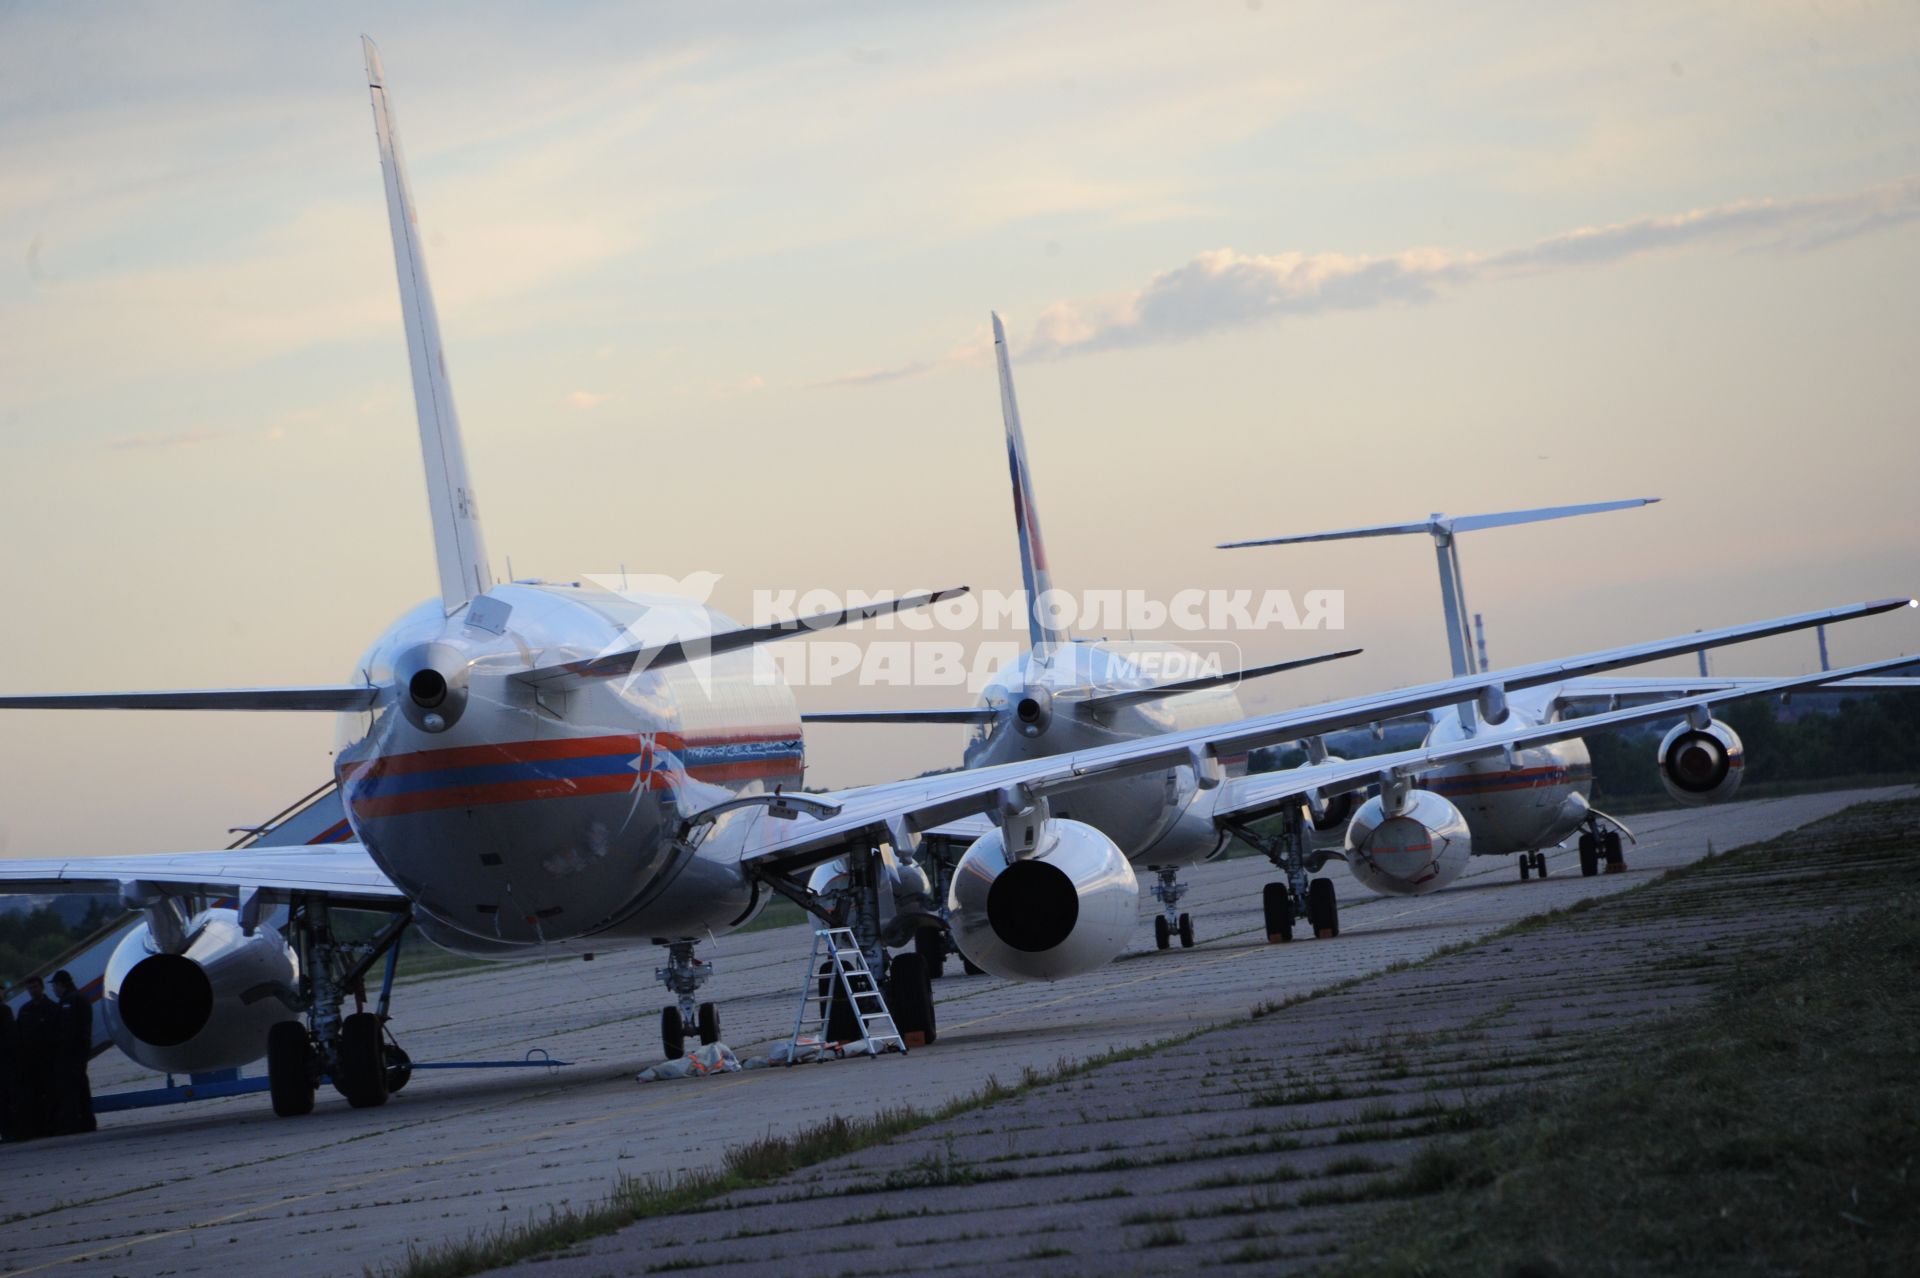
(1168, 890)
(355, 1051)
(683, 976)
(1601, 847)
(1277, 904)
(1534, 862)
(1281, 902)
(1323, 910)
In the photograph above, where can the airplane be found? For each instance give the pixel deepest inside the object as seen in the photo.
(551, 767)
(1541, 797)
(1064, 694)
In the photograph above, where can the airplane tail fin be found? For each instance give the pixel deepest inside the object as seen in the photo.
(1444, 529)
(1033, 550)
(459, 547)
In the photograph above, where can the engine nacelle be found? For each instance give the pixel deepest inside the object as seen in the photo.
(1068, 908)
(1701, 765)
(204, 1009)
(1418, 849)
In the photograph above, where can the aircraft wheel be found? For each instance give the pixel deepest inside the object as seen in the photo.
(709, 1023)
(968, 966)
(1161, 936)
(1610, 847)
(1589, 855)
(1323, 909)
(1526, 866)
(673, 1033)
(910, 999)
(290, 1072)
(1540, 863)
(363, 1061)
(1277, 904)
(1186, 931)
(930, 943)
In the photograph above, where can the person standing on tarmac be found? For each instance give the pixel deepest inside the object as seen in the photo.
(36, 1039)
(72, 1096)
(9, 1057)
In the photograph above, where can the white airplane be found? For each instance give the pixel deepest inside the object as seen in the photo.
(1064, 694)
(554, 768)
(1538, 798)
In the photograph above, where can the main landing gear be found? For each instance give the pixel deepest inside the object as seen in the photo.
(356, 1051)
(1283, 903)
(683, 976)
(1533, 863)
(1170, 922)
(1600, 846)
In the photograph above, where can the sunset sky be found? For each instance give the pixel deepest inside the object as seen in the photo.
(715, 289)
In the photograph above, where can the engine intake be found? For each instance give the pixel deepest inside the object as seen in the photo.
(1418, 848)
(1068, 908)
(1699, 766)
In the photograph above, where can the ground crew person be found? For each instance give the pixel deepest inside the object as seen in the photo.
(72, 1096)
(36, 1039)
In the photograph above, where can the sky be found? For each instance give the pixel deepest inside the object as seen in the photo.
(715, 285)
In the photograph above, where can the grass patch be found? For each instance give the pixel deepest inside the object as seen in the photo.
(1777, 1131)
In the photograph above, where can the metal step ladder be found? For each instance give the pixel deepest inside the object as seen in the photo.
(849, 978)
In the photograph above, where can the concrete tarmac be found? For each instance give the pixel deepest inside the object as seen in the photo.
(220, 1186)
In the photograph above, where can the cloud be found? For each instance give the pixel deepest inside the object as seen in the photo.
(181, 439)
(1224, 288)
(585, 400)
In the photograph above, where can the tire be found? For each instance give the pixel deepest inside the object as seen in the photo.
(709, 1024)
(1610, 848)
(363, 1061)
(970, 967)
(1323, 909)
(399, 1068)
(673, 1033)
(1186, 931)
(1276, 902)
(930, 943)
(290, 1078)
(1540, 863)
(910, 999)
(1589, 855)
(1526, 866)
(1162, 937)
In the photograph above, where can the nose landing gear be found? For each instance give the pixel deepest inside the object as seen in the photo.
(683, 976)
(1534, 862)
(1170, 922)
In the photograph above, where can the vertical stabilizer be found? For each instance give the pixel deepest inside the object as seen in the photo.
(457, 542)
(1033, 551)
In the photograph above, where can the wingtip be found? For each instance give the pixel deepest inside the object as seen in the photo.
(376, 76)
(999, 329)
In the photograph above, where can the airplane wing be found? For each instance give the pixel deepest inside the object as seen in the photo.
(341, 872)
(615, 665)
(927, 802)
(324, 697)
(1259, 794)
(955, 714)
(1615, 691)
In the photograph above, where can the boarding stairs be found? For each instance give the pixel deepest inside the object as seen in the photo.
(838, 959)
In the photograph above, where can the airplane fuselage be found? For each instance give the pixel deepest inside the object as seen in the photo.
(1534, 800)
(1156, 818)
(540, 816)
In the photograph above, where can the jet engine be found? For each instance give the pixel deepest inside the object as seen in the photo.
(1701, 765)
(1416, 846)
(207, 1006)
(1068, 907)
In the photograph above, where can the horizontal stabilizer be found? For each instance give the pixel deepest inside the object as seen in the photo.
(1105, 703)
(956, 714)
(1440, 525)
(614, 665)
(335, 698)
